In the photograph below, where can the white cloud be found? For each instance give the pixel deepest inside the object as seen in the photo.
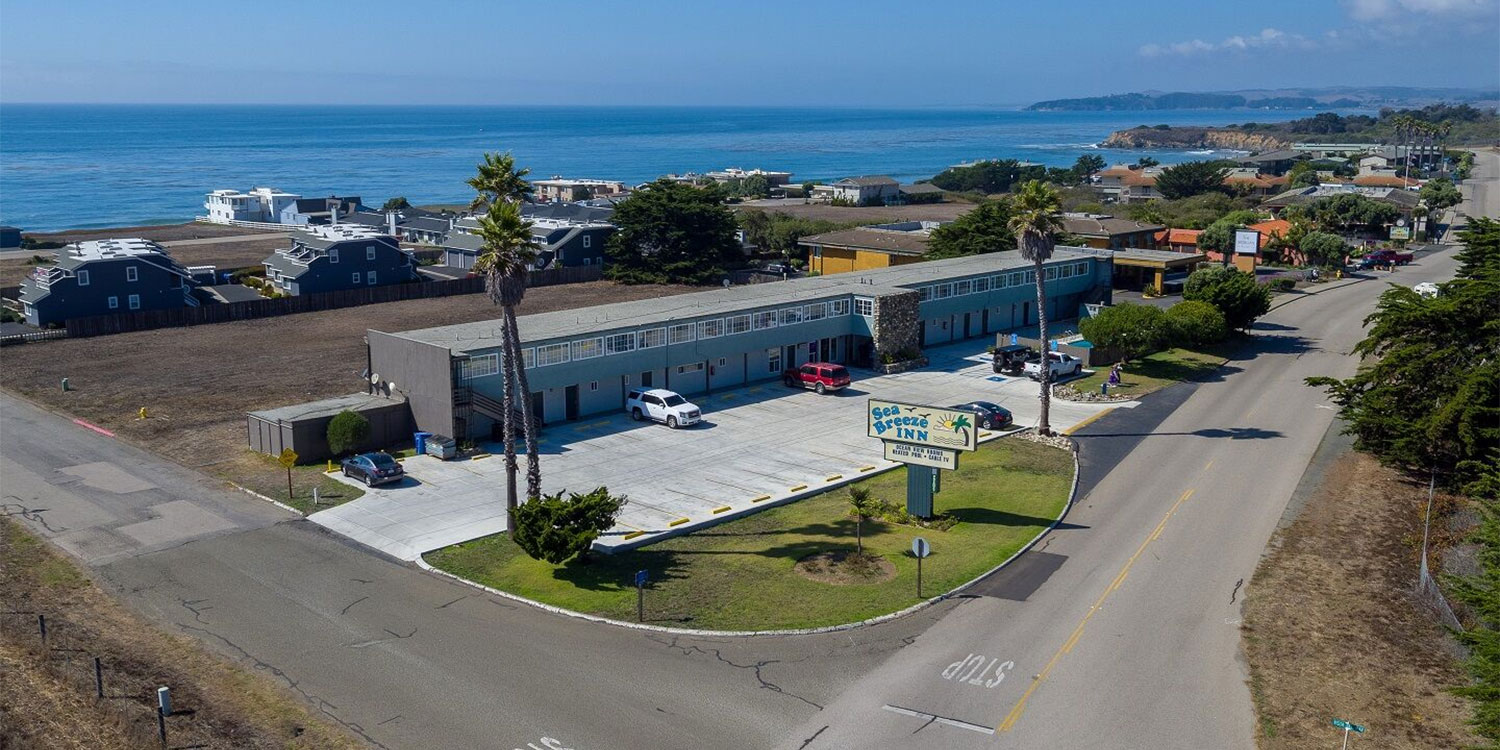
(1267, 39)
(1385, 10)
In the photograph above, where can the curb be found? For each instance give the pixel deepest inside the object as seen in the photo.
(1072, 498)
(274, 502)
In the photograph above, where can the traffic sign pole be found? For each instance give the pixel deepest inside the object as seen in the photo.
(920, 549)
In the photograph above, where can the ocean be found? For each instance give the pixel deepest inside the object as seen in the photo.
(85, 166)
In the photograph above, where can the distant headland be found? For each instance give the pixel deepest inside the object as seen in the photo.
(1343, 97)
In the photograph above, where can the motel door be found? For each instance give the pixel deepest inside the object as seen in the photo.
(570, 403)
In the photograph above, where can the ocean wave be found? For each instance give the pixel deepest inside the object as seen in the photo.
(1058, 146)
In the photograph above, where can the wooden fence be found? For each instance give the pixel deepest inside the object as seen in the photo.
(145, 320)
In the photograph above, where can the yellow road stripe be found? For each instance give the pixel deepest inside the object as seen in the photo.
(1087, 422)
(1015, 711)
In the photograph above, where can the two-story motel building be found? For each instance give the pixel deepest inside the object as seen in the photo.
(583, 361)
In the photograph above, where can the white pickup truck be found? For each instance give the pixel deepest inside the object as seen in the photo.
(1060, 364)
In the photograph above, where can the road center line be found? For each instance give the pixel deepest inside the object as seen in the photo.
(1016, 711)
(939, 719)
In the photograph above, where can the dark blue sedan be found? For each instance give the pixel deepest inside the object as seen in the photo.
(373, 468)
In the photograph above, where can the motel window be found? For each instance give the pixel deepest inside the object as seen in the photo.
(864, 306)
(131, 273)
(840, 307)
(481, 366)
(791, 315)
(588, 348)
(114, 303)
(962, 287)
(528, 357)
(1030, 277)
(135, 301)
(1051, 272)
(593, 385)
(943, 291)
(815, 311)
(694, 367)
(619, 343)
(370, 253)
(738, 324)
(773, 360)
(1017, 279)
(723, 361)
(1083, 268)
(981, 284)
(551, 354)
(333, 255)
(765, 320)
(711, 329)
(83, 278)
(925, 293)
(680, 334)
(652, 337)
(355, 276)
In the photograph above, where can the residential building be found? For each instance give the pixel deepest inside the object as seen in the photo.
(1274, 162)
(865, 248)
(1405, 201)
(1373, 162)
(559, 188)
(102, 277)
(1106, 232)
(10, 238)
(1139, 186)
(337, 257)
(1337, 150)
(582, 362)
(735, 173)
(305, 211)
(920, 192)
(1178, 240)
(261, 204)
(870, 190)
(564, 242)
(586, 212)
(1385, 178)
(1251, 183)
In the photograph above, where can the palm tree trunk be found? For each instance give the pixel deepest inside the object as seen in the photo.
(507, 422)
(1044, 423)
(528, 417)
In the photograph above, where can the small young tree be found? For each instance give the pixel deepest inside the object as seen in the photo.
(1133, 330)
(347, 432)
(558, 529)
(864, 506)
(1234, 292)
(1192, 323)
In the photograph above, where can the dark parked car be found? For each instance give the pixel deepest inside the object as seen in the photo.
(1010, 359)
(373, 468)
(987, 415)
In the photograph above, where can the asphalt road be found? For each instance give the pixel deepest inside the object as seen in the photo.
(1119, 630)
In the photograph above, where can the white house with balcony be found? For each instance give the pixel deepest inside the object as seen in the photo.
(262, 204)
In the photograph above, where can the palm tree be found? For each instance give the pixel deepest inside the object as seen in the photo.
(508, 252)
(498, 179)
(1034, 222)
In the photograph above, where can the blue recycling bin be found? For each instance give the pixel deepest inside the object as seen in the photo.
(421, 440)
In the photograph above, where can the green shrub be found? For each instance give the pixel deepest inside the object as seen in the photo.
(1323, 249)
(558, 529)
(1286, 284)
(1133, 330)
(1194, 324)
(1234, 292)
(347, 432)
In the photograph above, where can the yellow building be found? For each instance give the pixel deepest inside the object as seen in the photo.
(866, 248)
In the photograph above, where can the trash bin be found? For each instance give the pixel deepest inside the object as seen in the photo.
(421, 440)
(441, 446)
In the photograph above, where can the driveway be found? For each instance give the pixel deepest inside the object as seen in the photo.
(757, 447)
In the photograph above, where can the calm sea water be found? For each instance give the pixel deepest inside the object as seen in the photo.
(76, 166)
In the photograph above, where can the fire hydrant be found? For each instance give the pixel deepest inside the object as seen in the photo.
(141, 414)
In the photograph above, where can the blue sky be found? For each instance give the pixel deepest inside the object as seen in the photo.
(811, 52)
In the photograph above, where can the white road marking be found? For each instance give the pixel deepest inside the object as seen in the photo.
(938, 719)
(972, 669)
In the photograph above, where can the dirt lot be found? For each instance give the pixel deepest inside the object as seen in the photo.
(1332, 628)
(47, 691)
(862, 215)
(163, 233)
(198, 382)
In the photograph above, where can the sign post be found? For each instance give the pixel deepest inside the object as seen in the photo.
(1348, 726)
(640, 595)
(288, 459)
(1246, 249)
(920, 548)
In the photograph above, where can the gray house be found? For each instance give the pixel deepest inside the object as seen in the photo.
(337, 257)
(870, 190)
(304, 211)
(564, 242)
(101, 277)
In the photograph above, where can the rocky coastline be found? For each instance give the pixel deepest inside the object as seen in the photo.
(1193, 137)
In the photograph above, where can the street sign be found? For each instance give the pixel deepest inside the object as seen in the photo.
(640, 578)
(1400, 233)
(1349, 726)
(921, 455)
(1246, 241)
(920, 548)
(933, 426)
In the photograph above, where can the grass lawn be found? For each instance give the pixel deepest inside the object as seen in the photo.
(261, 473)
(1153, 372)
(740, 575)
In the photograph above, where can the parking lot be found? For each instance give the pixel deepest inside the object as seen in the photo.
(757, 447)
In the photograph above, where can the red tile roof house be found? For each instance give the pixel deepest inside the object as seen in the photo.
(1270, 231)
(1178, 240)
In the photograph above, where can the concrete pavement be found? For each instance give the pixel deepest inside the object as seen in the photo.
(758, 447)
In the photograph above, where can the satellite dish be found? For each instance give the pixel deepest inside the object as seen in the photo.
(391, 387)
(374, 378)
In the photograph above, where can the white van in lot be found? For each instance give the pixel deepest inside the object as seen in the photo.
(661, 405)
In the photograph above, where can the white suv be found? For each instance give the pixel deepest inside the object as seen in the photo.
(661, 405)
